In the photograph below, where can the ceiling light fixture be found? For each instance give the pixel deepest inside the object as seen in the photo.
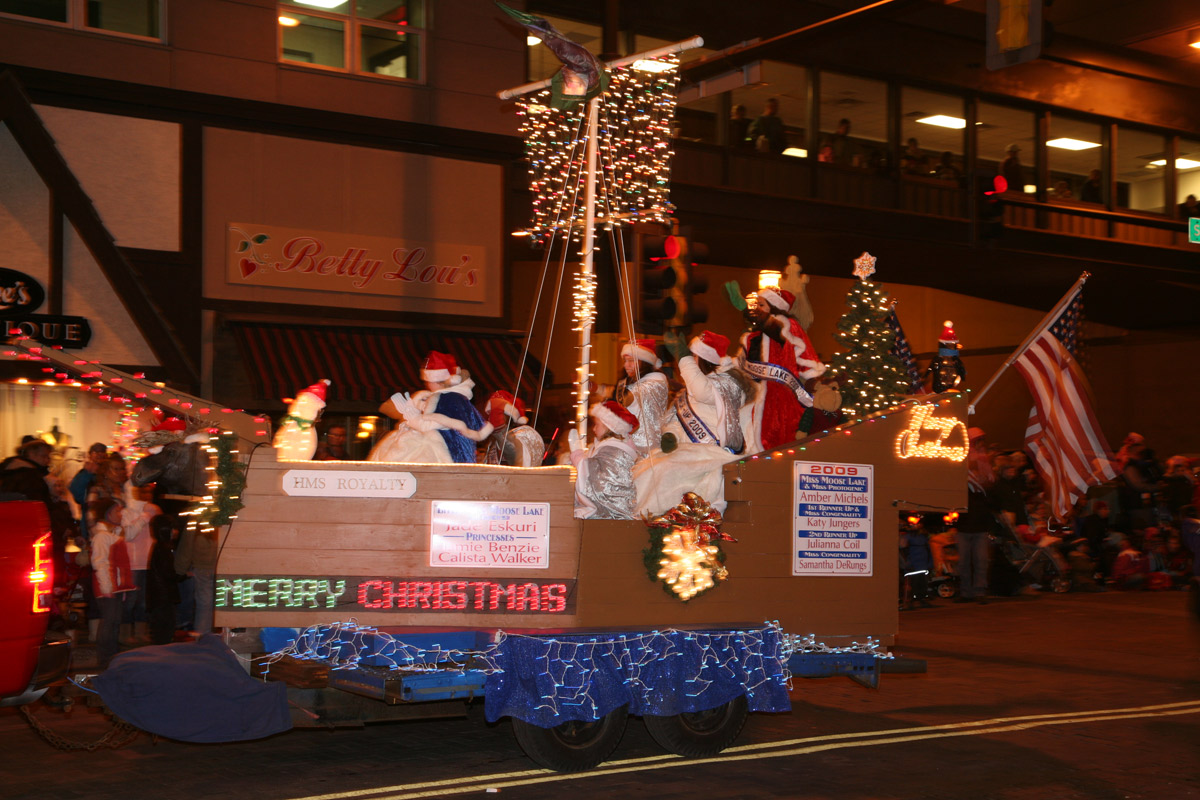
(532, 40)
(1066, 143)
(1180, 163)
(288, 22)
(1194, 38)
(320, 3)
(796, 152)
(943, 121)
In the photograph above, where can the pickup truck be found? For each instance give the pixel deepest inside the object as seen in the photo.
(31, 656)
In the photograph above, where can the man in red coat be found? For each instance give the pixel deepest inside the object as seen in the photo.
(777, 353)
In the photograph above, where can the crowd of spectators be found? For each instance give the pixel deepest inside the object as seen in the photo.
(1138, 531)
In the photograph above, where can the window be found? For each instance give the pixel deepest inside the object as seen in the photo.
(1075, 155)
(368, 37)
(931, 134)
(139, 18)
(1005, 137)
(1187, 177)
(1141, 170)
(853, 122)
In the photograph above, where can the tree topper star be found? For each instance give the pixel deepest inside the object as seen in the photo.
(864, 266)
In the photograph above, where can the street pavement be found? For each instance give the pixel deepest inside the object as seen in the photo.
(1047, 696)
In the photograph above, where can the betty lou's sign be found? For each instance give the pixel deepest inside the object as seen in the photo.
(291, 258)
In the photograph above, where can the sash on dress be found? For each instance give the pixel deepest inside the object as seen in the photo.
(765, 370)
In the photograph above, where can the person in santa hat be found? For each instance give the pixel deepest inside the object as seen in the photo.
(946, 369)
(512, 443)
(448, 408)
(778, 354)
(604, 480)
(703, 431)
(643, 389)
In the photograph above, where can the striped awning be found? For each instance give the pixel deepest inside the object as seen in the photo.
(369, 364)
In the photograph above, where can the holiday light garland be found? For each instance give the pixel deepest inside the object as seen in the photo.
(636, 114)
(548, 679)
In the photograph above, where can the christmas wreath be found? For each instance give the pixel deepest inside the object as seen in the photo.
(684, 553)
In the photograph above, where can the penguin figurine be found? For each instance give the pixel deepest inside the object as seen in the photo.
(946, 370)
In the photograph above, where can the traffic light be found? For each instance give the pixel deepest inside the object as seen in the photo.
(655, 255)
(991, 208)
(669, 286)
(689, 284)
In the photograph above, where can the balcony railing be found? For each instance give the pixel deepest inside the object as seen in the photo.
(702, 164)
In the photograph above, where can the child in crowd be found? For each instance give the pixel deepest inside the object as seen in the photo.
(915, 563)
(1131, 568)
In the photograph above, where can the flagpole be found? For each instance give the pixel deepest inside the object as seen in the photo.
(1046, 322)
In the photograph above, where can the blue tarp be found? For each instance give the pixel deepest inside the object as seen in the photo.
(193, 692)
(548, 680)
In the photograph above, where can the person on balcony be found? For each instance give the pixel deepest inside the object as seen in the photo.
(767, 131)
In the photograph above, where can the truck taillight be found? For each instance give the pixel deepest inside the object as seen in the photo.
(42, 575)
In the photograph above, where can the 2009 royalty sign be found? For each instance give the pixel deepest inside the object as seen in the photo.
(299, 259)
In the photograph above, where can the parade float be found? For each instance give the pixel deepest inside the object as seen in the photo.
(378, 590)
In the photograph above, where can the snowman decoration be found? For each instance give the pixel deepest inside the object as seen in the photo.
(946, 369)
(296, 439)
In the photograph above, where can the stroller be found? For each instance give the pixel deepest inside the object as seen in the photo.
(1033, 559)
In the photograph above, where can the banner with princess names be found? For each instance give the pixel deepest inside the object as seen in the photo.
(831, 518)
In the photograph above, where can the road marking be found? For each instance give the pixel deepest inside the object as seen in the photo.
(764, 750)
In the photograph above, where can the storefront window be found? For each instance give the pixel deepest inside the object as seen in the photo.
(386, 36)
(140, 18)
(931, 134)
(1141, 170)
(853, 122)
(1005, 146)
(1074, 151)
(1187, 177)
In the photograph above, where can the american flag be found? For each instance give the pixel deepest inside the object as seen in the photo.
(902, 351)
(1062, 435)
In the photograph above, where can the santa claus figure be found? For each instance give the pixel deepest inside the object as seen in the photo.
(643, 389)
(604, 483)
(777, 353)
(296, 439)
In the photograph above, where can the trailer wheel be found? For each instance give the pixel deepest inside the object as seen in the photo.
(946, 590)
(572, 746)
(703, 733)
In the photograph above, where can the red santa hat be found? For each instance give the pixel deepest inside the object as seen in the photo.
(439, 367)
(948, 337)
(778, 299)
(317, 389)
(712, 347)
(615, 417)
(171, 425)
(643, 350)
(501, 404)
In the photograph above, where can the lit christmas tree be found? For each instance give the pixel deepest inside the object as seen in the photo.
(869, 375)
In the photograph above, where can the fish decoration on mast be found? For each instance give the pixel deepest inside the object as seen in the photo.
(581, 77)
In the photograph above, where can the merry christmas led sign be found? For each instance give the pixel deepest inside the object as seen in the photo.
(409, 595)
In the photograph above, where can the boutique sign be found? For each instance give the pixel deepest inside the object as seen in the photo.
(290, 258)
(20, 296)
